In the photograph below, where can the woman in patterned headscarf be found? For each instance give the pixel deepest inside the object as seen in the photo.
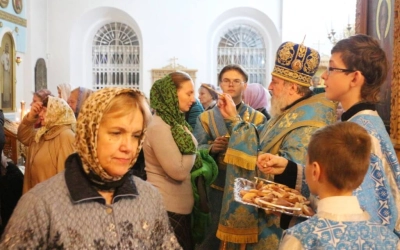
(97, 203)
(170, 150)
(49, 145)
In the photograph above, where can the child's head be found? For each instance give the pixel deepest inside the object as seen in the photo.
(358, 57)
(338, 156)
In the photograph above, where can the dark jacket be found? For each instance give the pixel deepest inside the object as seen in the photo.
(2, 137)
(10, 192)
(195, 110)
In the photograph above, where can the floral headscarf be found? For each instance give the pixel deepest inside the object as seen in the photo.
(65, 90)
(58, 113)
(87, 129)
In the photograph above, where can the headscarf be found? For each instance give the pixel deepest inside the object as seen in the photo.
(83, 94)
(214, 95)
(58, 113)
(256, 96)
(65, 90)
(42, 93)
(87, 130)
(164, 99)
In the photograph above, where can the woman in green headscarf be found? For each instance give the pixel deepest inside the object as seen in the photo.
(170, 150)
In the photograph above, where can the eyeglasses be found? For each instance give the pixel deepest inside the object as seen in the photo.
(331, 69)
(235, 82)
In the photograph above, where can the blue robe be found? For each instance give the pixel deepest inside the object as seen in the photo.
(287, 135)
(379, 193)
(210, 125)
(357, 233)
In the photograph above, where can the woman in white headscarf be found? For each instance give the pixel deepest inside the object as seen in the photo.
(64, 91)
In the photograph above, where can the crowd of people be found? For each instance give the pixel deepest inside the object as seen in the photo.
(110, 169)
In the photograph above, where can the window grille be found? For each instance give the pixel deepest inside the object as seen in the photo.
(116, 57)
(243, 45)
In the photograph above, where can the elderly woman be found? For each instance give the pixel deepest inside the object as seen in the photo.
(49, 145)
(77, 99)
(64, 91)
(207, 97)
(96, 203)
(39, 96)
(170, 150)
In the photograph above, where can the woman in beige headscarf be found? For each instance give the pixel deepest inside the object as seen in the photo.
(64, 91)
(50, 145)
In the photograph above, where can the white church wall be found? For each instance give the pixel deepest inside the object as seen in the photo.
(37, 45)
(184, 29)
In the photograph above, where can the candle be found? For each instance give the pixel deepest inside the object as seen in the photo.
(22, 110)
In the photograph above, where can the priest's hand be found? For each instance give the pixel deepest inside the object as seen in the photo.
(227, 106)
(219, 145)
(271, 164)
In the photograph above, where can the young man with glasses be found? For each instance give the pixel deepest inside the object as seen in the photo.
(357, 69)
(211, 133)
(296, 114)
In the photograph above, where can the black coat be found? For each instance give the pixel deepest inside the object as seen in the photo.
(10, 191)
(2, 137)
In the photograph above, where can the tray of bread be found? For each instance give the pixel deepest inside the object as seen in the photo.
(272, 197)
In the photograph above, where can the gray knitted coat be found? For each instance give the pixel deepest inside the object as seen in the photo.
(66, 212)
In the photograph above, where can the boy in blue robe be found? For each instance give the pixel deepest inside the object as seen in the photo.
(338, 159)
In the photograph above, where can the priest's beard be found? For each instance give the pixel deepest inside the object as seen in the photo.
(278, 103)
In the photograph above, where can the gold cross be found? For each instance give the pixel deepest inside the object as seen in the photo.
(174, 59)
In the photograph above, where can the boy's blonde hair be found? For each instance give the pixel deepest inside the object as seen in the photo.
(343, 152)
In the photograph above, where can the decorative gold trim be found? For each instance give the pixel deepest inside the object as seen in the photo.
(217, 187)
(13, 19)
(291, 76)
(5, 3)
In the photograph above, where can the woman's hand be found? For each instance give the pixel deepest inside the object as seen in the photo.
(35, 110)
(271, 164)
(227, 106)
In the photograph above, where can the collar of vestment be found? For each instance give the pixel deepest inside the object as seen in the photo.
(81, 189)
(357, 108)
(298, 100)
(238, 106)
(341, 208)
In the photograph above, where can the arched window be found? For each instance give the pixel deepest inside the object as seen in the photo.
(115, 57)
(243, 45)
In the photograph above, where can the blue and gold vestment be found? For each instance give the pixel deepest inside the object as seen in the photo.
(210, 125)
(287, 135)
